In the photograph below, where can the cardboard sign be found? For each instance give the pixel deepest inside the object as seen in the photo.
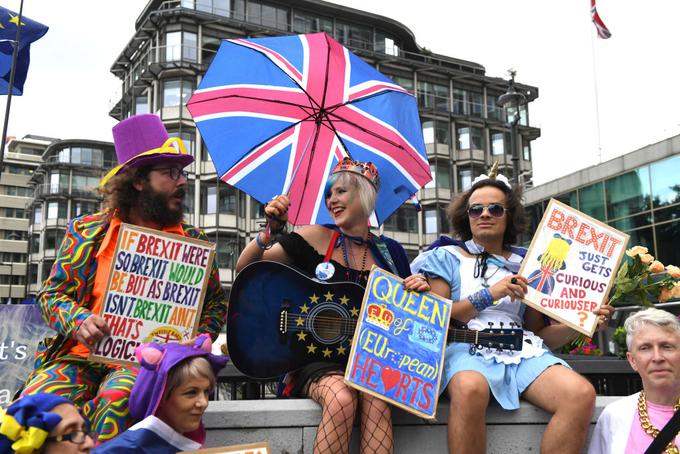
(571, 264)
(251, 448)
(155, 291)
(21, 328)
(398, 348)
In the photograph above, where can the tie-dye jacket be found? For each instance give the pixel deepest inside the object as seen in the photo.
(66, 295)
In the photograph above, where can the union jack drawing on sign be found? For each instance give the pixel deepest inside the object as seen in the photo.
(602, 30)
(277, 113)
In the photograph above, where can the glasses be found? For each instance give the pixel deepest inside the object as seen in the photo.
(173, 172)
(496, 210)
(78, 437)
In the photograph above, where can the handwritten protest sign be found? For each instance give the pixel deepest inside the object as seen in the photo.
(155, 291)
(398, 348)
(21, 328)
(250, 448)
(571, 264)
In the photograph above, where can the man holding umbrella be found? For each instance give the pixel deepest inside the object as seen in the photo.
(146, 189)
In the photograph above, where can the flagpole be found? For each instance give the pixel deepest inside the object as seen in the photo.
(597, 102)
(10, 89)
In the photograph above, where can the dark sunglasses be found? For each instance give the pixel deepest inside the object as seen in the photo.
(77, 437)
(496, 210)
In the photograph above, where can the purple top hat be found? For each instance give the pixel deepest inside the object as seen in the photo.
(141, 141)
(156, 361)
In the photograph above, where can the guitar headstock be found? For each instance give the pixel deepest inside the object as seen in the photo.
(501, 339)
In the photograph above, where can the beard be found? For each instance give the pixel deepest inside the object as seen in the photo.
(155, 206)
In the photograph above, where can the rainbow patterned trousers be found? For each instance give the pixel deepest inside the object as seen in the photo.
(101, 391)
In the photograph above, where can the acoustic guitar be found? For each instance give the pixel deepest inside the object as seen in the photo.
(280, 320)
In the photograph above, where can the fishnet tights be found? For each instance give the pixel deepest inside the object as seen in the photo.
(338, 408)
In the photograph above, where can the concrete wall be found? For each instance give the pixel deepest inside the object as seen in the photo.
(290, 427)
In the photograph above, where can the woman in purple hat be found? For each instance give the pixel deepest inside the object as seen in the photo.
(344, 251)
(169, 398)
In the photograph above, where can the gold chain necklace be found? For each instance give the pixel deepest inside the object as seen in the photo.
(647, 424)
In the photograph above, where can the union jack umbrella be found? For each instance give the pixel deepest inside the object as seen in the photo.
(278, 113)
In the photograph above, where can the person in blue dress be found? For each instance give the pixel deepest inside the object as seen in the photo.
(479, 273)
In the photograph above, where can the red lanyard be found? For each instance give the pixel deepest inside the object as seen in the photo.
(331, 246)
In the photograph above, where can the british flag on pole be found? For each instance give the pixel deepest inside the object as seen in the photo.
(602, 30)
(277, 113)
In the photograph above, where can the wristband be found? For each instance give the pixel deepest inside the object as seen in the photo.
(262, 245)
(481, 299)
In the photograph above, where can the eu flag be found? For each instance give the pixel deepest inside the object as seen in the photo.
(30, 31)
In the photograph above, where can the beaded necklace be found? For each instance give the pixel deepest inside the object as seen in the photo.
(343, 243)
(647, 424)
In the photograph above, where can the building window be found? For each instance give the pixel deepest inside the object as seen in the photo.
(227, 199)
(405, 82)
(441, 176)
(307, 23)
(218, 7)
(141, 104)
(470, 137)
(56, 210)
(226, 249)
(476, 104)
(176, 92)
(79, 208)
(591, 200)
(430, 221)
(189, 203)
(386, 44)
(466, 175)
(405, 219)
(354, 35)
(460, 101)
(180, 46)
(493, 111)
(433, 96)
(628, 194)
(500, 143)
(37, 215)
(526, 150)
(208, 198)
(665, 184)
(267, 15)
(53, 238)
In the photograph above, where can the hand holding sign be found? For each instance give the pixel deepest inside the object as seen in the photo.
(92, 330)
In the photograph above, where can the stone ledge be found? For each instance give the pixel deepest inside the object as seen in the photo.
(290, 426)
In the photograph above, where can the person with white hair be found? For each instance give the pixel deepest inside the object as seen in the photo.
(630, 424)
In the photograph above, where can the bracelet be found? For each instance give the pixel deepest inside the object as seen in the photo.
(481, 299)
(262, 245)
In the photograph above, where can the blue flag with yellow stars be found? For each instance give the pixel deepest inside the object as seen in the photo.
(30, 31)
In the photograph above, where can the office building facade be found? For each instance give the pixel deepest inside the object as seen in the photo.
(463, 128)
(21, 159)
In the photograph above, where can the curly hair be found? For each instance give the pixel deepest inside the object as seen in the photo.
(517, 221)
(120, 194)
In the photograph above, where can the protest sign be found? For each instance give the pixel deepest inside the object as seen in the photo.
(250, 448)
(155, 291)
(571, 264)
(21, 328)
(398, 347)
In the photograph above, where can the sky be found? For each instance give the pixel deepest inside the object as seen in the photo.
(598, 99)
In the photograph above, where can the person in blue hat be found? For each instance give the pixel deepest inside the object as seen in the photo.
(45, 423)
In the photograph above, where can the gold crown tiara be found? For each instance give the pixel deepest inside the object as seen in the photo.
(365, 169)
